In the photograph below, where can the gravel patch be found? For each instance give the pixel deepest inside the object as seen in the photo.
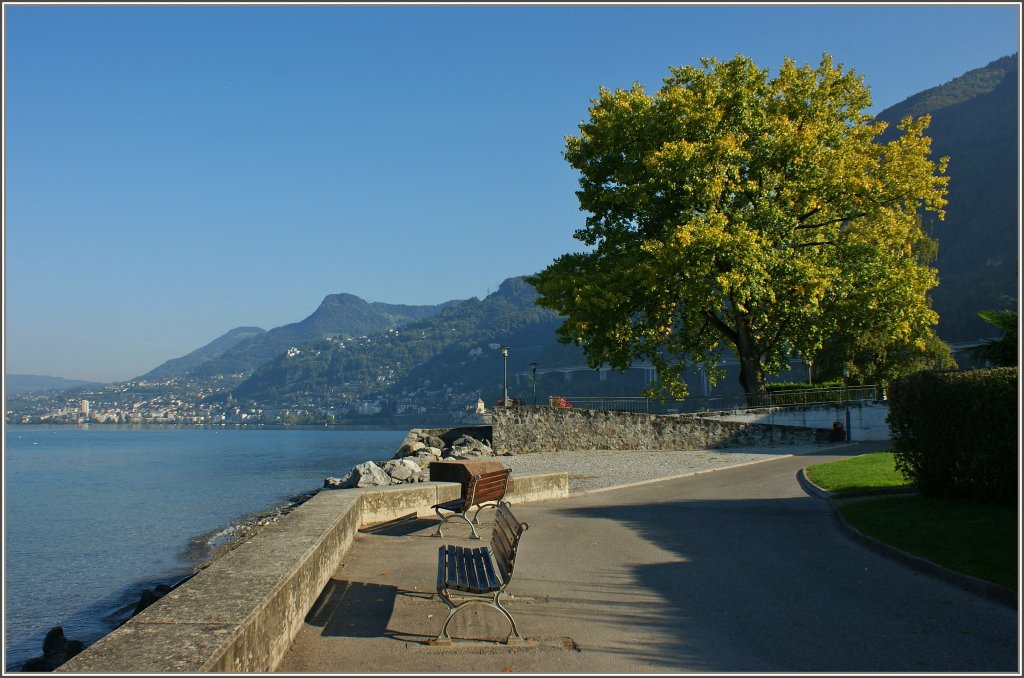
(594, 470)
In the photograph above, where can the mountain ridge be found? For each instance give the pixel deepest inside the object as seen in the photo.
(212, 350)
(331, 366)
(340, 314)
(974, 122)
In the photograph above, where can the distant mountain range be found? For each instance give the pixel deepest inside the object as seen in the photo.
(348, 344)
(339, 315)
(440, 348)
(20, 384)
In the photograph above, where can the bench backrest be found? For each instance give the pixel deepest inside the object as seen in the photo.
(505, 540)
(490, 486)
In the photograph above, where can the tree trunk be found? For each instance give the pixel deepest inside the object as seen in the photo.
(751, 374)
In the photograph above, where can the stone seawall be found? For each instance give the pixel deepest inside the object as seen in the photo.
(534, 429)
(241, 614)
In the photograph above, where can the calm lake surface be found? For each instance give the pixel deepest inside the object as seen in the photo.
(93, 516)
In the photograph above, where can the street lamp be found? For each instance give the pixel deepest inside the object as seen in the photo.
(533, 373)
(846, 397)
(504, 355)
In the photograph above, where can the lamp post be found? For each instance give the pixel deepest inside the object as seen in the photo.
(504, 355)
(533, 379)
(846, 398)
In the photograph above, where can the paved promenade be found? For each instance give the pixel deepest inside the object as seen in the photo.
(736, 570)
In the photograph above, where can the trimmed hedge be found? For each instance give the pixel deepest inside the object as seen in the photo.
(955, 433)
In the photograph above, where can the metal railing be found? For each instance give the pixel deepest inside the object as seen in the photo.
(813, 396)
(627, 404)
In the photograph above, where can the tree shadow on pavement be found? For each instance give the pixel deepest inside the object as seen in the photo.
(774, 585)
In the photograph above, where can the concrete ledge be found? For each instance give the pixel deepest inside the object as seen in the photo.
(537, 487)
(242, 612)
(381, 504)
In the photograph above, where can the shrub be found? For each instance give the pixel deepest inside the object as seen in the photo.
(801, 393)
(955, 433)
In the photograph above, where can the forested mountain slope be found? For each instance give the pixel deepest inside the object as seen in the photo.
(333, 367)
(339, 315)
(975, 123)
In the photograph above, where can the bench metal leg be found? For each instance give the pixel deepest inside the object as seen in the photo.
(445, 519)
(514, 638)
(481, 507)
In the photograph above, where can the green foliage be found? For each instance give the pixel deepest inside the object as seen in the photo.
(1001, 352)
(759, 213)
(873, 358)
(955, 433)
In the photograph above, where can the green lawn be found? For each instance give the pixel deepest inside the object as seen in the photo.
(975, 539)
(857, 474)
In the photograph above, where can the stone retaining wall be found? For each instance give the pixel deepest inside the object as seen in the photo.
(534, 429)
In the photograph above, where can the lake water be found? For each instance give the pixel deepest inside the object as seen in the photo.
(94, 516)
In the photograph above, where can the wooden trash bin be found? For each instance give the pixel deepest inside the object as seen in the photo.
(461, 471)
(482, 485)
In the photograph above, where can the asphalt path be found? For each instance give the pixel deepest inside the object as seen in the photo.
(737, 570)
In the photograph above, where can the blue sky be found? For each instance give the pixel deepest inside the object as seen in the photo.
(172, 172)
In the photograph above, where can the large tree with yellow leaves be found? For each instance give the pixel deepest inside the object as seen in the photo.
(734, 208)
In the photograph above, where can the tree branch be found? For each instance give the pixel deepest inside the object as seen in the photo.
(808, 215)
(723, 329)
(832, 221)
(881, 203)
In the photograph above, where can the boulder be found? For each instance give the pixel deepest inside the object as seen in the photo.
(57, 649)
(409, 449)
(425, 459)
(410, 437)
(468, 446)
(466, 441)
(150, 596)
(401, 470)
(366, 474)
(434, 441)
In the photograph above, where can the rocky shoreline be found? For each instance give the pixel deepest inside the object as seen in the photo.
(211, 546)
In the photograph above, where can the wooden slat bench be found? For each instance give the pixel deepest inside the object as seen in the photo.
(482, 491)
(480, 575)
